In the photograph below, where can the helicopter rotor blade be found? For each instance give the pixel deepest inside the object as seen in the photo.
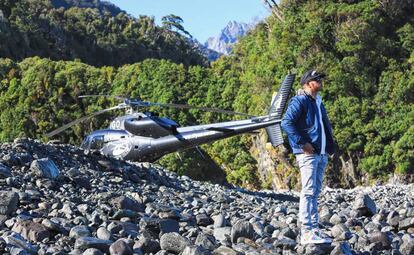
(107, 96)
(139, 103)
(183, 106)
(70, 124)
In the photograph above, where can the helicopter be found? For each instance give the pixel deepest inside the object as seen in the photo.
(145, 137)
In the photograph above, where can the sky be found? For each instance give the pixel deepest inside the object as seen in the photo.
(202, 18)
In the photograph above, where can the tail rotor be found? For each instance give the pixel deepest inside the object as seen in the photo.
(277, 108)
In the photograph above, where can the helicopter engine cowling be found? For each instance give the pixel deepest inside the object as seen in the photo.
(145, 125)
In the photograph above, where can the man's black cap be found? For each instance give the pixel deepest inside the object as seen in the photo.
(311, 75)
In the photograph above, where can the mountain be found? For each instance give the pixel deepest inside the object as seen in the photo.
(210, 54)
(95, 4)
(223, 43)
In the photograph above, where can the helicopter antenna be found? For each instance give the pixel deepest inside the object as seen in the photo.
(70, 124)
(200, 152)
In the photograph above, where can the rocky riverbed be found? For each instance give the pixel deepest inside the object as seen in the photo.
(54, 199)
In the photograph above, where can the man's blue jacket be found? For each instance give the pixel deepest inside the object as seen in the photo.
(302, 125)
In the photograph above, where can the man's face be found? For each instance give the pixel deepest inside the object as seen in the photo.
(316, 84)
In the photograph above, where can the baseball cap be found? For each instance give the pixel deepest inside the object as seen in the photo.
(311, 75)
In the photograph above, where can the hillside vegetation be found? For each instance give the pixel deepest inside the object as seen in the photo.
(93, 35)
(365, 47)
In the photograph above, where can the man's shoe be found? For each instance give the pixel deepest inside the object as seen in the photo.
(322, 235)
(310, 236)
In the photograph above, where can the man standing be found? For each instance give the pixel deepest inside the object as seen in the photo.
(310, 136)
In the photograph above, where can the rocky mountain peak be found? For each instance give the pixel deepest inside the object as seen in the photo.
(229, 35)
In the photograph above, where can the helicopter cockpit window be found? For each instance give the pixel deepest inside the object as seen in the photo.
(97, 142)
(85, 143)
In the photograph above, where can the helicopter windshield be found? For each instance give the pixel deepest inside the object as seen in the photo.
(93, 142)
(97, 142)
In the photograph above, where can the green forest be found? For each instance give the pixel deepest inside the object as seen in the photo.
(51, 56)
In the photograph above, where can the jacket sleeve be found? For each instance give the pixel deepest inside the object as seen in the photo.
(289, 121)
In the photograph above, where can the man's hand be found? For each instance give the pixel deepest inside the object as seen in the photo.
(308, 148)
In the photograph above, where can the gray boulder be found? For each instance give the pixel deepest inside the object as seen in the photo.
(79, 231)
(17, 240)
(223, 250)
(407, 246)
(5, 171)
(120, 248)
(31, 231)
(206, 241)
(173, 242)
(195, 250)
(92, 251)
(365, 205)
(342, 248)
(221, 234)
(8, 202)
(44, 168)
(123, 202)
(406, 223)
(241, 229)
(91, 242)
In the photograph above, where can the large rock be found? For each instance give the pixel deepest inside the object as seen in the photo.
(406, 223)
(4, 171)
(288, 232)
(203, 219)
(285, 243)
(342, 249)
(8, 202)
(315, 249)
(365, 205)
(147, 245)
(173, 242)
(84, 243)
(123, 202)
(219, 221)
(45, 168)
(194, 250)
(92, 251)
(223, 250)
(221, 234)
(120, 248)
(242, 229)
(206, 241)
(393, 218)
(31, 231)
(380, 238)
(79, 231)
(338, 230)
(103, 233)
(128, 228)
(407, 246)
(17, 240)
(168, 226)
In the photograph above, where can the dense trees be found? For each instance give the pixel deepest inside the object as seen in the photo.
(95, 36)
(365, 47)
